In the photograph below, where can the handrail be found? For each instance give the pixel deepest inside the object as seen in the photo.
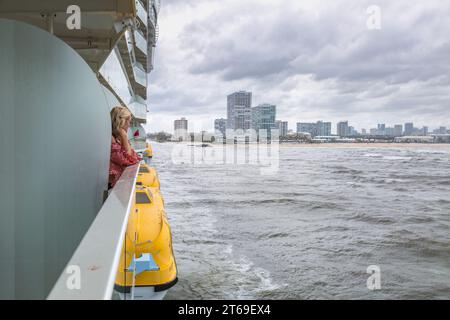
(141, 12)
(96, 259)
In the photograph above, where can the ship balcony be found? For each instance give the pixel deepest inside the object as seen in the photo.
(151, 59)
(140, 76)
(97, 256)
(141, 13)
(138, 108)
(153, 11)
(140, 42)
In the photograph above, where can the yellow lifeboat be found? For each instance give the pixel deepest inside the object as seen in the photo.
(147, 268)
(147, 176)
(148, 153)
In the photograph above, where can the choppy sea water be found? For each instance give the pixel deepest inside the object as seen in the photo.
(311, 230)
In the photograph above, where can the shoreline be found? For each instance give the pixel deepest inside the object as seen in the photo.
(387, 145)
(369, 145)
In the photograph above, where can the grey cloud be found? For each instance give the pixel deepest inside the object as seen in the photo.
(335, 45)
(393, 72)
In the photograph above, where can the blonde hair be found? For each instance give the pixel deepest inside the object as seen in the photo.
(118, 117)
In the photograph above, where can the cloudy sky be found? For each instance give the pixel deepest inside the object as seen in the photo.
(315, 60)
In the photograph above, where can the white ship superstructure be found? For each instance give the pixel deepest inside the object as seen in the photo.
(64, 64)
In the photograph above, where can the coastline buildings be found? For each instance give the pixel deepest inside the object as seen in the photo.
(389, 132)
(180, 129)
(319, 128)
(305, 127)
(398, 130)
(220, 125)
(441, 130)
(409, 129)
(342, 129)
(263, 117)
(352, 131)
(242, 116)
(239, 111)
(282, 127)
(424, 131)
(323, 128)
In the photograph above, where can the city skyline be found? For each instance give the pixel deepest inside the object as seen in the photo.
(397, 74)
(241, 114)
(293, 125)
(323, 128)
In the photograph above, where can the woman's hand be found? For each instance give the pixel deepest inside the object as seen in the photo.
(123, 135)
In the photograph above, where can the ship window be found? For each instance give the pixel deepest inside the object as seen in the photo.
(143, 170)
(142, 197)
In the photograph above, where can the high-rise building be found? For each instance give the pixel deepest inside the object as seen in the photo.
(323, 128)
(352, 131)
(305, 127)
(263, 117)
(319, 128)
(220, 126)
(389, 131)
(409, 128)
(342, 129)
(180, 129)
(381, 129)
(282, 127)
(398, 130)
(239, 110)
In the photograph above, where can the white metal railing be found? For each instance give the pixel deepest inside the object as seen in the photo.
(138, 109)
(114, 72)
(152, 17)
(130, 45)
(141, 12)
(140, 76)
(91, 272)
(151, 58)
(141, 42)
(139, 146)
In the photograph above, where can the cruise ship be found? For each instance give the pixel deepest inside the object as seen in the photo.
(64, 65)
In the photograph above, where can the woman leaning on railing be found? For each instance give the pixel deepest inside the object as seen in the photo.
(122, 154)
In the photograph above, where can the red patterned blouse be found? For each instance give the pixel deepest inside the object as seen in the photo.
(120, 159)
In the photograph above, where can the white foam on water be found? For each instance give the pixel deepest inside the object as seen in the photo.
(430, 151)
(397, 158)
(252, 279)
(373, 155)
(392, 180)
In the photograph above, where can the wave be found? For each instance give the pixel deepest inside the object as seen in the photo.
(420, 219)
(252, 280)
(360, 216)
(273, 235)
(423, 245)
(342, 169)
(397, 158)
(373, 155)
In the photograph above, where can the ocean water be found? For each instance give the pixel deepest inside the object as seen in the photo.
(311, 230)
